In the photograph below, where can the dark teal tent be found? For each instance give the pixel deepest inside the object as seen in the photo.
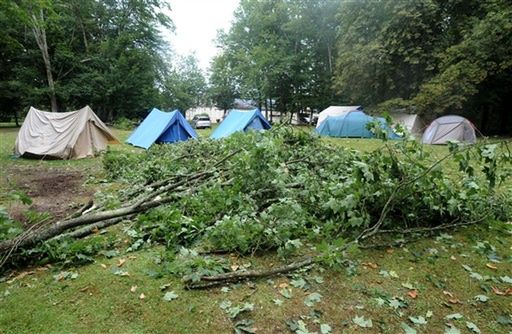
(241, 121)
(161, 127)
(352, 124)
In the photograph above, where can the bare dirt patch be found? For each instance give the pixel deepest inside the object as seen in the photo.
(57, 191)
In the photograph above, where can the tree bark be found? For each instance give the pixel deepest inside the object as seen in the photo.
(39, 32)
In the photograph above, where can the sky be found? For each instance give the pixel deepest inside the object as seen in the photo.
(197, 22)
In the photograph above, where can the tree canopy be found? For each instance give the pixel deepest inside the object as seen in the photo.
(431, 57)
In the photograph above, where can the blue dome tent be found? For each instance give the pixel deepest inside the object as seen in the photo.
(240, 121)
(352, 124)
(161, 127)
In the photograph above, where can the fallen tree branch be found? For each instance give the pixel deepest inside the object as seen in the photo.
(210, 281)
(93, 228)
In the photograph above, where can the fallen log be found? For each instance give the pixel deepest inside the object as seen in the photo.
(236, 276)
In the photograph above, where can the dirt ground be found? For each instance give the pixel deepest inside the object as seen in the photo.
(57, 191)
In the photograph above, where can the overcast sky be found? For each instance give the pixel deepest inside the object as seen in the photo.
(197, 22)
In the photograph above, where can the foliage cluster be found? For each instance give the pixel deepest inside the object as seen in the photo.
(106, 54)
(282, 189)
(430, 57)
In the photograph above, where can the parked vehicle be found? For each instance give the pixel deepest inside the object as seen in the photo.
(201, 122)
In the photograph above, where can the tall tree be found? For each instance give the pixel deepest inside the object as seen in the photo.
(184, 85)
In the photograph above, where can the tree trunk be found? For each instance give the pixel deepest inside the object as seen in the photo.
(266, 108)
(16, 118)
(40, 35)
(271, 111)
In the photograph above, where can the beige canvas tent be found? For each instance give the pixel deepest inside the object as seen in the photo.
(413, 123)
(449, 128)
(335, 111)
(67, 135)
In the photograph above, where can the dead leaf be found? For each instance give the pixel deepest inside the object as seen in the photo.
(448, 293)
(20, 276)
(133, 289)
(453, 258)
(142, 296)
(234, 267)
(104, 266)
(84, 289)
(498, 291)
(491, 266)
(454, 301)
(42, 269)
(95, 230)
(283, 285)
(390, 250)
(132, 257)
(413, 294)
(121, 262)
(370, 265)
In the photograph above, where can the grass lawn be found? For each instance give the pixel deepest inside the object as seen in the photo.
(459, 273)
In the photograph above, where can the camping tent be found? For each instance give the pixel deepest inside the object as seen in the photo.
(161, 127)
(448, 128)
(412, 122)
(335, 111)
(241, 121)
(63, 135)
(352, 124)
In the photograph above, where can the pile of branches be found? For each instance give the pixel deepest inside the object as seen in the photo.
(283, 189)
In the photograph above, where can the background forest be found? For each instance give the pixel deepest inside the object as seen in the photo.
(430, 57)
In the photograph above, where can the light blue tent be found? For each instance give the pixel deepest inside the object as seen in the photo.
(240, 121)
(161, 127)
(352, 124)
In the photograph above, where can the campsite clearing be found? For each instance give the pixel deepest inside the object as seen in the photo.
(431, 281)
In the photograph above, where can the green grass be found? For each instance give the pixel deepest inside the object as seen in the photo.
(98, 301)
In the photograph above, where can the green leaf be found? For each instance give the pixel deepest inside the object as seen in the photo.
(319, 279)
(244, 327)
(481, 298)
(362, 322)
(325, 329)
(476, 276)
(299, 283)
(418, 321)
(408, 286)
(451, 330)
(408, 329)
(504, 319)
(472, 327)
(454, 316)
(170, 295)
(225, 304)
(278, 302)
(286, 293)
(396, 303)
(506, 279)
(312, 298)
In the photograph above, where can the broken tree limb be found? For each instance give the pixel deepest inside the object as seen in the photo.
(93, 228)
(210, 281)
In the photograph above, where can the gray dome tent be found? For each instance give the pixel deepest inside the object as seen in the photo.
(447, 128)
